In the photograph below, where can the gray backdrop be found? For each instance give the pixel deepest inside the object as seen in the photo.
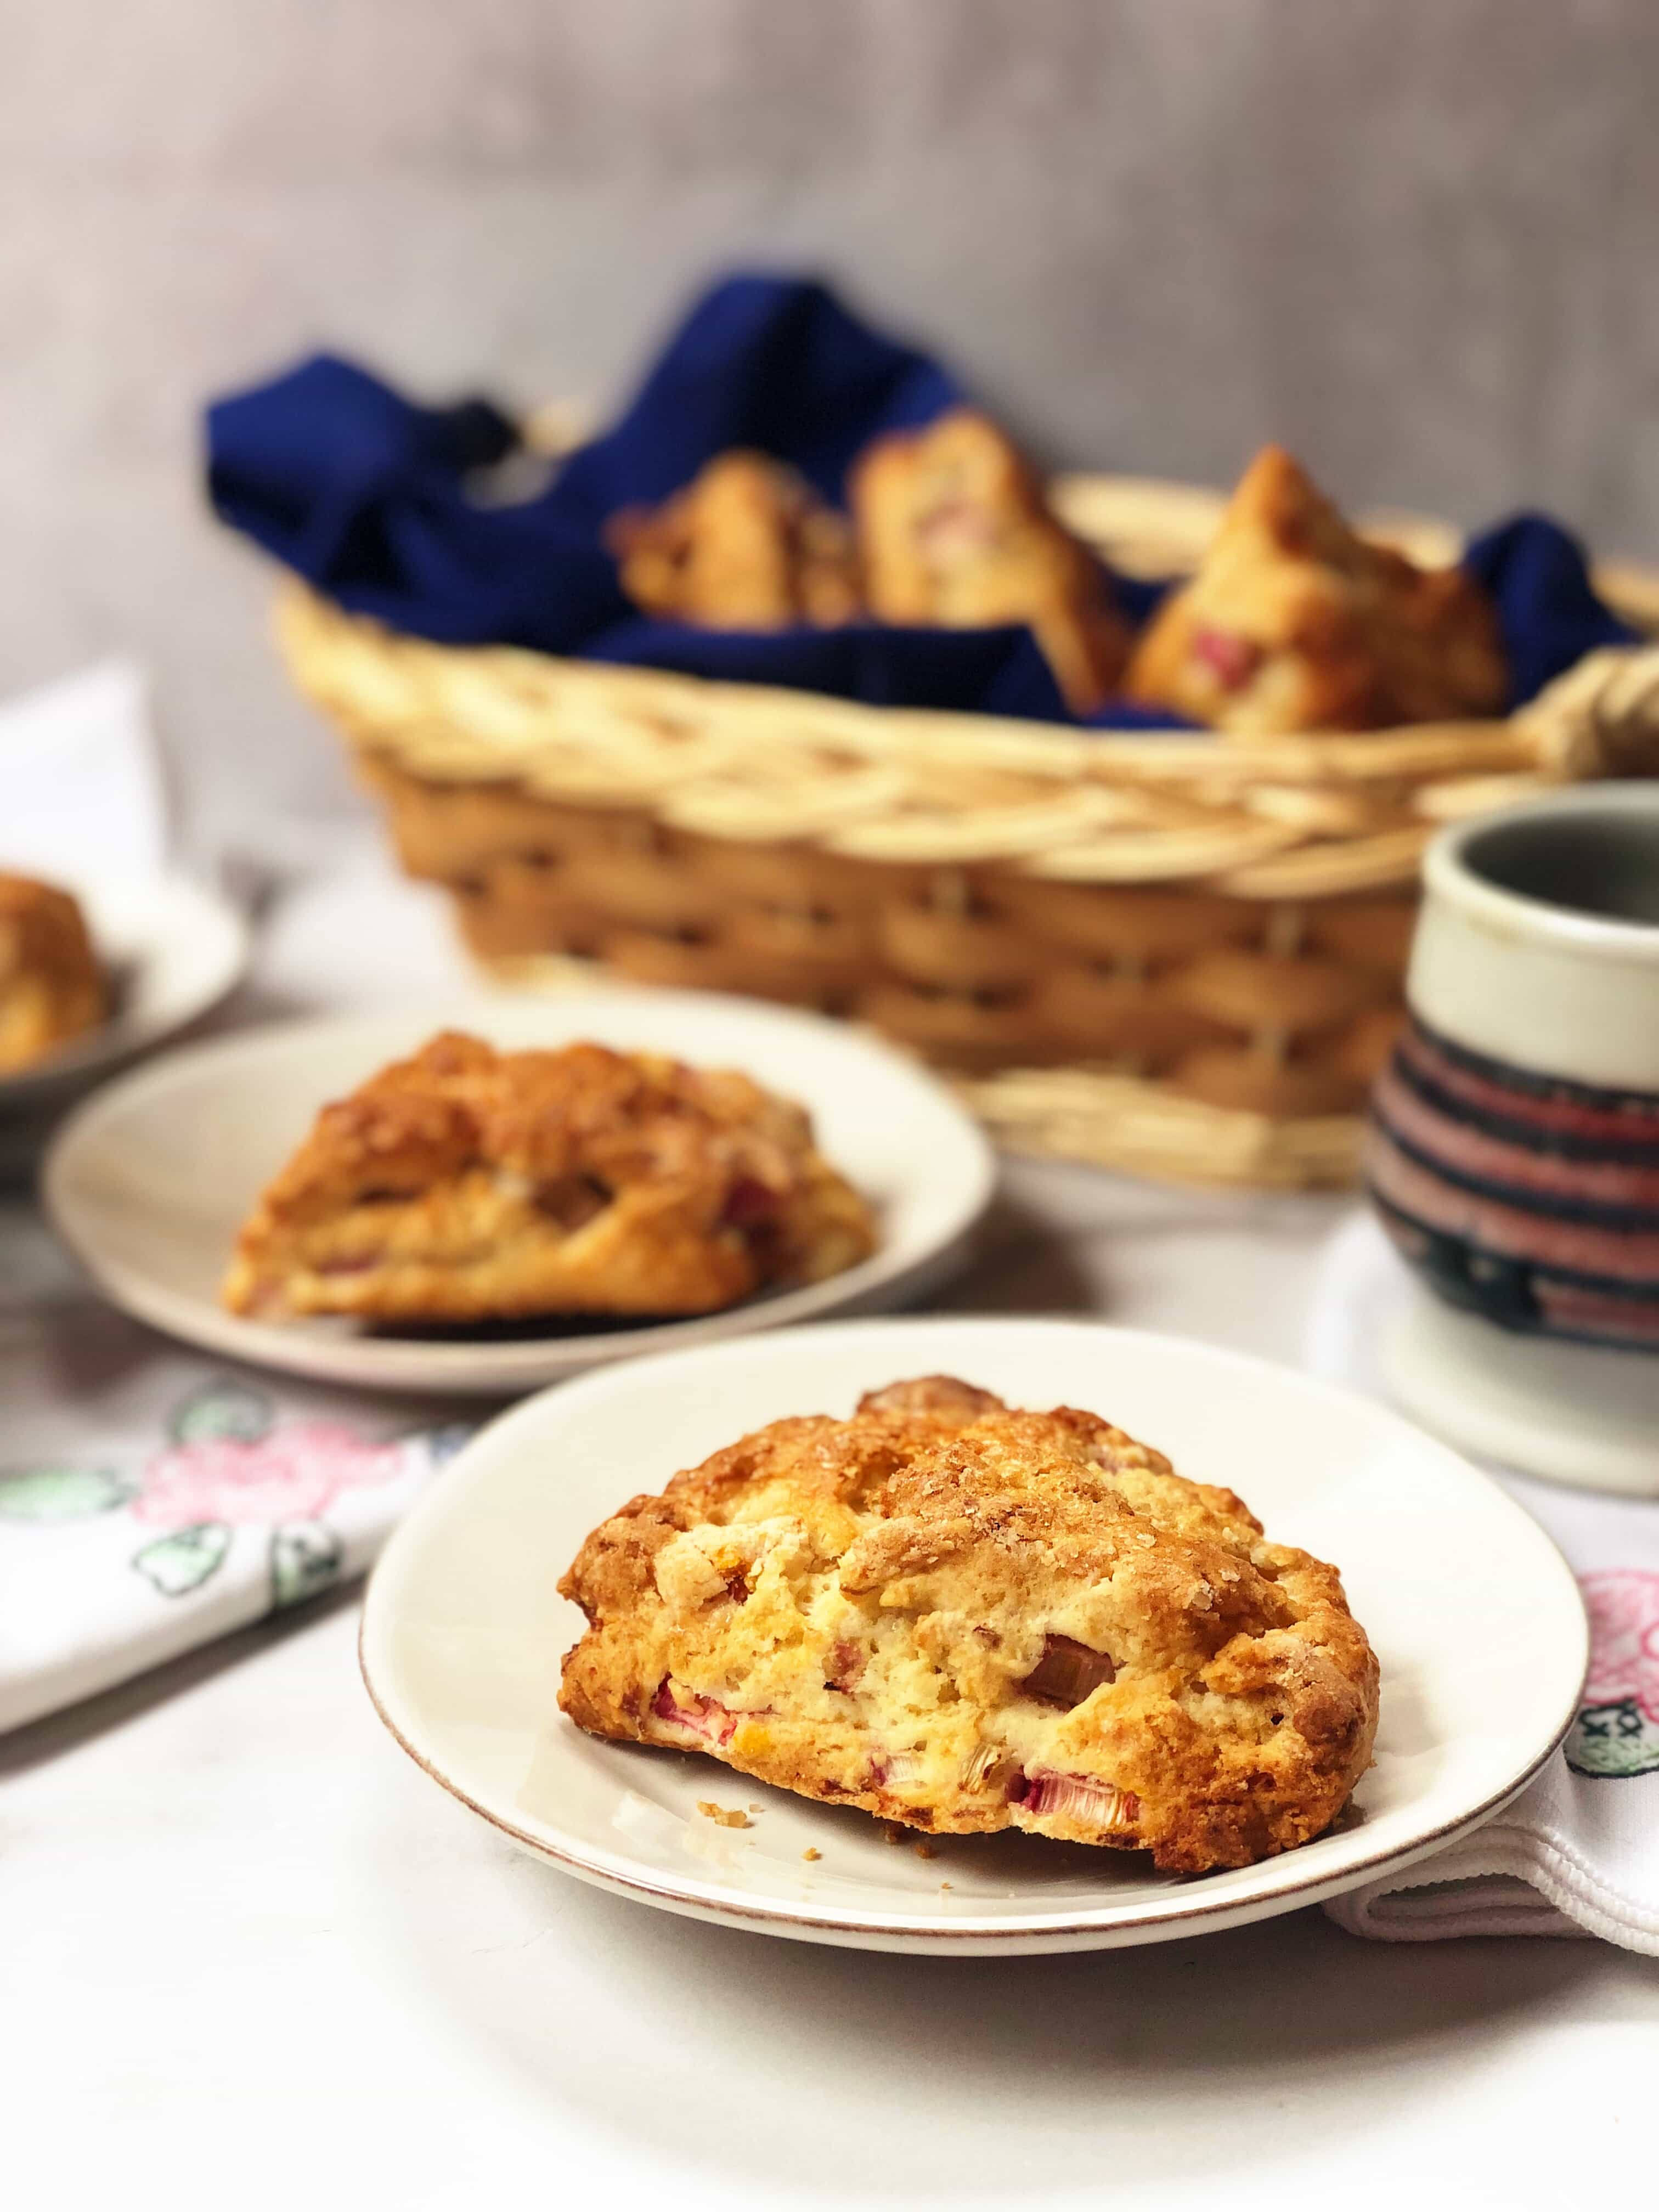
(1412, 237)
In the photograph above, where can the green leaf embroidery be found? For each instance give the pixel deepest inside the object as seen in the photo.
(305, 1558)
(1613, 1741)
(61, 1494)
(222, 1407)
(183, 1561)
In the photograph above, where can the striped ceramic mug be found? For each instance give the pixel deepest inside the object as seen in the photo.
(1513, 1153)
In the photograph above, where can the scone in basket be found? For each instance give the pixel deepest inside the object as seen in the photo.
(1180, 955)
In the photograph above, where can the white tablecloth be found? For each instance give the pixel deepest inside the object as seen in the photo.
(250, 1956)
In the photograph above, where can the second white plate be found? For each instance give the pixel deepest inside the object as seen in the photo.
(149, 1181)
(173, 950)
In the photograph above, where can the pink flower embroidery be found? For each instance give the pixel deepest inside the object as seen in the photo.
(1624, 1616)
(292, 1474)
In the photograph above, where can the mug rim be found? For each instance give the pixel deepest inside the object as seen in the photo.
(1447, 875)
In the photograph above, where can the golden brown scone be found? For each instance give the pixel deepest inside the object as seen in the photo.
(52, 988)
(954, 530)
(1293, 623)
(967, 1618)
(467, 1184)
(746, 545)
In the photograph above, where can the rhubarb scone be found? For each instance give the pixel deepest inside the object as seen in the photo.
(966, 1618)
(954, 530)
(746, 545)
(1292, 622)
(51, 988)
(466, 1185)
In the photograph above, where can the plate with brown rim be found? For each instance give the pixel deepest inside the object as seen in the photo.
(1474, 1616)
(149, 1181)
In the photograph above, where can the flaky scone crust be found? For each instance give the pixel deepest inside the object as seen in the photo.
(466, 1184)
(747, 544)
(51, 988)
(1292, 622)
(967, 1618)
(955, 530)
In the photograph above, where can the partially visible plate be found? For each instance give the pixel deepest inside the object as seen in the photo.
(150, 1181)
(171, 949)
(1474, 1617)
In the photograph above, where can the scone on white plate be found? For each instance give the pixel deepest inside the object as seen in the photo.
(966, 1618)
(465, 1184)
(52, 986)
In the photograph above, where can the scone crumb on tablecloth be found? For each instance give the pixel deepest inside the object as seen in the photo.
(925, 1849)
(724, 1816)
(810, 1853)
(893, 1833)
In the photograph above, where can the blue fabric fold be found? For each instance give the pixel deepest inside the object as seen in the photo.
(773, 363)
(1547, 607)
(369, 497)
(365, 496)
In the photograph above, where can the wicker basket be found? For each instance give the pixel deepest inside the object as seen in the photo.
(1180, 956)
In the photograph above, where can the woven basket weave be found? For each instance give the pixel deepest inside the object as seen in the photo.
(1180, 956)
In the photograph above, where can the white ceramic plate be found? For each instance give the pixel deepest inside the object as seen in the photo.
(1474, 1615)
(150, 1181)
(173, 949)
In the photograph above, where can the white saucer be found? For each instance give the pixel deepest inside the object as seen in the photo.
(1579, 1414)
(173, 949)
(150, 1181)
(1474, 1615)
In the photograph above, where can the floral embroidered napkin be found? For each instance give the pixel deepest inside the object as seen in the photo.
(1577, 1852)
(151, 1499)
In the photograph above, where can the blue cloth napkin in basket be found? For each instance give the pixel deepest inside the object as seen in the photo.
(367, 496)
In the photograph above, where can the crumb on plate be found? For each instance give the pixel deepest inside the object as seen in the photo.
(723, 1816)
